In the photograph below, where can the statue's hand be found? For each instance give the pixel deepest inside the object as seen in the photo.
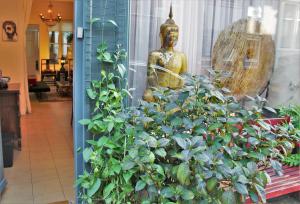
(148, 96)
(161, 62)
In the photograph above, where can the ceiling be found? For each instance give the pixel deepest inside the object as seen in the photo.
(55, 0)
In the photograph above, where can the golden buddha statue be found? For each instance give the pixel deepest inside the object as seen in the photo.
(165, 65)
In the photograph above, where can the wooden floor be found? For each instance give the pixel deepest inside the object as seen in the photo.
(43, 172)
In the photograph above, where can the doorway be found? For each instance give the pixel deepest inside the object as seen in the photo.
(32, 50)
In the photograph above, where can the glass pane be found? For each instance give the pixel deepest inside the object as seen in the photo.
(54, 50)
(53, 36)
(297, 33)
(291, 11)
(238, 38)
(67, 51)
(288, 35)
(67, 37)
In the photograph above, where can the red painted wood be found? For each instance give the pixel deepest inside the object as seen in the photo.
(278, 121)
(282, 185)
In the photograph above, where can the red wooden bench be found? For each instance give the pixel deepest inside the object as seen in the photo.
(288, 183)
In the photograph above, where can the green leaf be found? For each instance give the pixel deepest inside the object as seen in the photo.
(277, 166)
(161, 152)
(241, 188)
(163, 142)
(110, 126)
(94, 20)
(151, 157)
(91, 142)
(107, 190)
(127, 164)
(183, 173)
(253, 141)
(95, 187)
(111, 86)
(211, 184)
(171, 106)
(87, 152)
(91, 93)
(227, 138)
(127, 93)
(234, 120)
(264, 125)
(152, 141)
(261, 192)
(133, 153)
(242, 179)
(187, 195)
(127, 176)
(228, 197)
(218, 95)
(113, 23)
(252, 167)
(102, 141)
(140, 185)
(107, 57)
(253, 196)
(251, 131)
(121, 69)
(215, 126)
(167, 192)
(116, 168)
(270, 109)
(264, 177)
(159, 169)
(183, 96)
(102, 47)
(166, 129)
(181, 142)
(257, 155)
(176, 122)
(226, 90)
(85, 121)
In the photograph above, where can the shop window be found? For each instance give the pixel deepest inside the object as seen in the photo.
(249, 60)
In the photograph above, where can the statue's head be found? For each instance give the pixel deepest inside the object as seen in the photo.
(169, 32)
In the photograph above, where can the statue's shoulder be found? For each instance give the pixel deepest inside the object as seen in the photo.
(155, 53)
(181, 54)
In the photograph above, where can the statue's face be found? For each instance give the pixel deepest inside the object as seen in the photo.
(170, 36)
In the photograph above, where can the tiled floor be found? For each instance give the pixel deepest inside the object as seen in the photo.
(43, 171)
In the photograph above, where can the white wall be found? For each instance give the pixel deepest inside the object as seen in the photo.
(12, 53)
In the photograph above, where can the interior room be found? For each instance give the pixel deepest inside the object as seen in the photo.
(36, 60)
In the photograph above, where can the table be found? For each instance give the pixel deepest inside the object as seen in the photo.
(64, 88)
(49, 77)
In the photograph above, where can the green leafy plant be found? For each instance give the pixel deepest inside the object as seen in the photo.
(198, 145)
(292, 160)
(194, 145)
(106, 180)
(294, 112)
